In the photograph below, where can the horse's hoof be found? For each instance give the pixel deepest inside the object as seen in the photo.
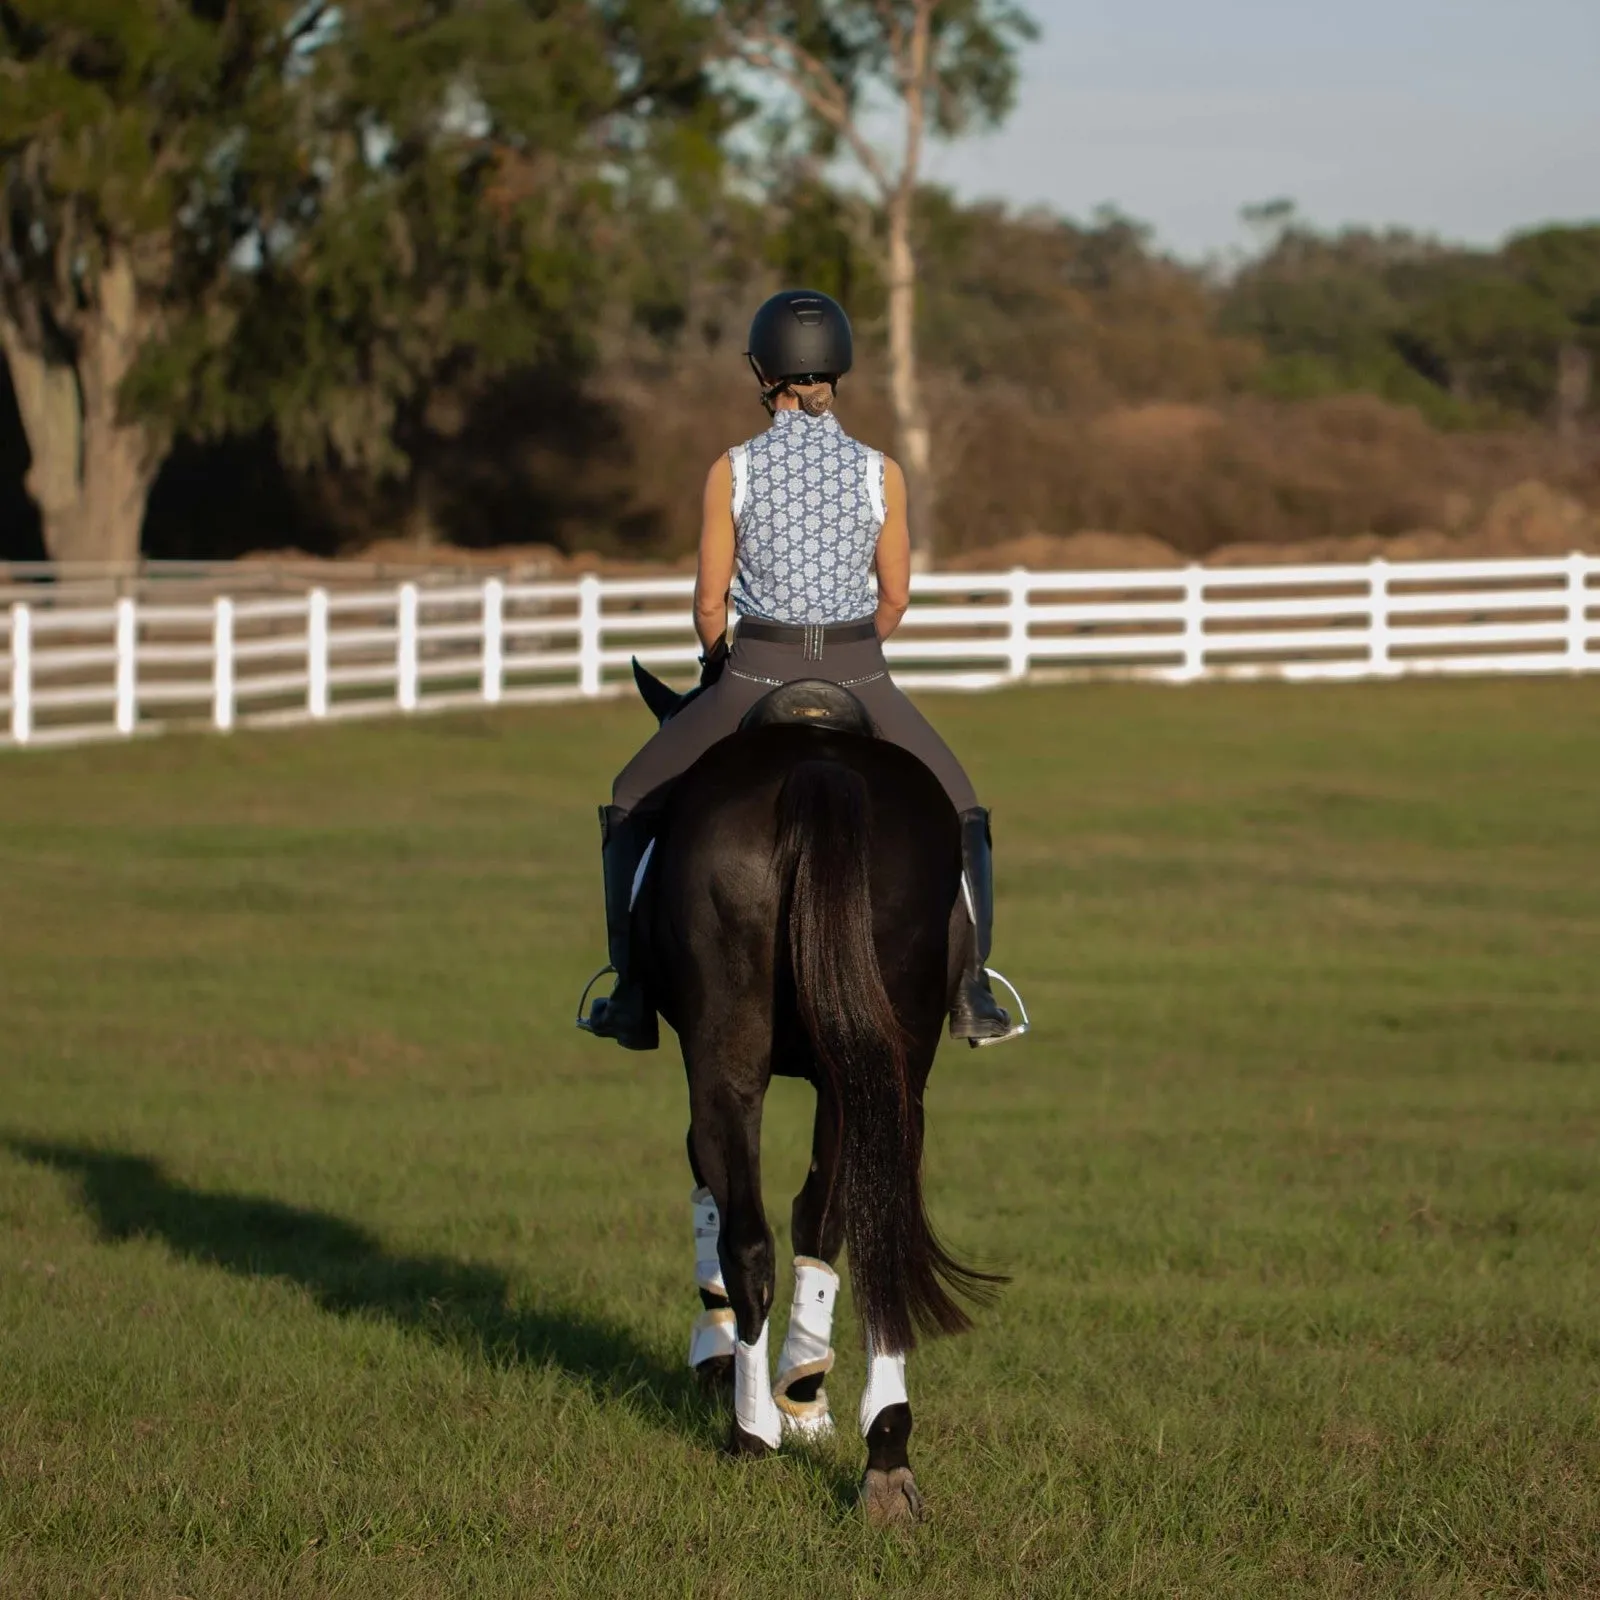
(714, 1375)
(890, 1499)
(744, 1446)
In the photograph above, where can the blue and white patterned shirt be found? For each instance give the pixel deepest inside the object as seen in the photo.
(807, 511)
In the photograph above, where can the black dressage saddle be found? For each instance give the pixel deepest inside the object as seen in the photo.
(812, 703)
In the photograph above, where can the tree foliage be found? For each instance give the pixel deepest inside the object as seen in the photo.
(451, 210)
(322, 211)
(1468, 336)
(840, 57)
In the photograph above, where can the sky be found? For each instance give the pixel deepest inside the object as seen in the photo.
(1463, 118)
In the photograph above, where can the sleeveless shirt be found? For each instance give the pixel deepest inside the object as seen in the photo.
(807, 511)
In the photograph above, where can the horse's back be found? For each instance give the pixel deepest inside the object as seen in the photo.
(724, 815)
(718, 892)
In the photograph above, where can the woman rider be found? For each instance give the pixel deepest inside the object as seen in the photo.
(796, 523)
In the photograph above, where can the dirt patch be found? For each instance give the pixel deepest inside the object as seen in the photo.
(1090, 550)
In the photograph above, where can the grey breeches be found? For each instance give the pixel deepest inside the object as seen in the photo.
(756, 667)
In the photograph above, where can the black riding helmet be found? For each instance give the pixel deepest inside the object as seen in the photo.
(799, 336)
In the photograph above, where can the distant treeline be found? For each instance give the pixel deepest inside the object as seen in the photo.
(301, 272)
(290, 275)
(1080, 378)
(1082, 316)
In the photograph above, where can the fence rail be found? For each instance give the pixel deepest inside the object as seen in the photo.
(72, 671)
(200, 582)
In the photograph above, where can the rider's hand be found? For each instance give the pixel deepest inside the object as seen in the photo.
(713, 661)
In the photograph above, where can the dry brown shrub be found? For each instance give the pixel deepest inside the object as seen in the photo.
(1240, 479)
(1159, 431)
(1534, 519)
(1252, 472)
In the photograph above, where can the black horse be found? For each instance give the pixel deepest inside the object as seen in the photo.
(801, 918)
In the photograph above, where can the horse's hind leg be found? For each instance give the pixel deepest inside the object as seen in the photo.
(889, 1493)
(818, 1230)
(726, 1131)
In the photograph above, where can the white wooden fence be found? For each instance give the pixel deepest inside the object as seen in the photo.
(71, 672)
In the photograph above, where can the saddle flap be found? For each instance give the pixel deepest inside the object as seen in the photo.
(810, 703)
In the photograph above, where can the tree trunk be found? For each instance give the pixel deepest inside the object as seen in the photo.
(913, 440)
(91, 472)
(1574, 379)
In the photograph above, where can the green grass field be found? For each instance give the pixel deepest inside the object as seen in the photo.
(334, 1261)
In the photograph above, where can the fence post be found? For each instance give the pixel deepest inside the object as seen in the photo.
(494, 648)
(1194, 624)
(222, 665)
(589, 624)
(406, 649)
(317, 653)
(1017, 642)
(1577, 611)
(1378, 660)
(21, 673)
(127, 657)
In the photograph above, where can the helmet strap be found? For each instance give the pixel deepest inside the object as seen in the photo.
(769, 392)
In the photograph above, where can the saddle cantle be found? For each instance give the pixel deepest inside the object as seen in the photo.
(811, 703)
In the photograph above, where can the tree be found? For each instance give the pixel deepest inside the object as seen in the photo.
(1494, 340)
(1073, 317)
(1563, 264)
(106, 117)
(949, 65)
(1468, 336)
(227, 214)
(1329, 311)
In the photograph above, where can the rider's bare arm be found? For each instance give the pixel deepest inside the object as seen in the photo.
(715, 575)
(893, 561)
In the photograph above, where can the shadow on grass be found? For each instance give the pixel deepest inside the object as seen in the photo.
(348, 1272)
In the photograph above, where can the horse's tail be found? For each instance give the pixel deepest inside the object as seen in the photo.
(902, 1274)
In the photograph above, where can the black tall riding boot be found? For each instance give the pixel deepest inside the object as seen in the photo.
(976, 1014)
(626, 1014)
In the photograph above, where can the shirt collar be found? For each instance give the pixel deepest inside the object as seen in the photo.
(803, 419)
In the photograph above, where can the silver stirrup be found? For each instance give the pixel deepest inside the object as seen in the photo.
(1017, 1029)
(583, 999)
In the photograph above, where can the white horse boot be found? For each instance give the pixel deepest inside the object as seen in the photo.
(714, 1333)
(808, 1348)
(889, 1493)
(886, 1385)
(755, 1412)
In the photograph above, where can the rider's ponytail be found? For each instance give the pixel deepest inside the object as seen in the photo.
(816, 399)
